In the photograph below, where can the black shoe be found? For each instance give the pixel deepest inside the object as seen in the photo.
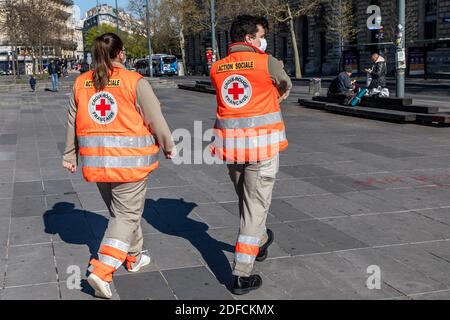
(243, 285)
(263, 252)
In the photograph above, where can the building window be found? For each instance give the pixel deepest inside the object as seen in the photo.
(430, 19)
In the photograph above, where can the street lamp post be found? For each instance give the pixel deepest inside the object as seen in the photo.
(400, 43)
(213, 28)
(150, 50)
(117, 18)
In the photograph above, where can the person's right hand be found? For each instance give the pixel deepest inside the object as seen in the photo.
(69, 166)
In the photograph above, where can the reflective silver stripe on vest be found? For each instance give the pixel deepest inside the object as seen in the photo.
(118, 162)
(244, 258)
(115, 142)
(110, 261)
(114, 243)
(250, 142)
(253, 241)
(251, 122)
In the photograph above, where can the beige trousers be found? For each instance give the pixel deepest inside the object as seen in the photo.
(125, 202)
(254, 183)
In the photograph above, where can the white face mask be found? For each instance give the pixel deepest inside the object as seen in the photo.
(263, 46)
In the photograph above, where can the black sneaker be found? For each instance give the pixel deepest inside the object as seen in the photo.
(263, 252)
(243, 285)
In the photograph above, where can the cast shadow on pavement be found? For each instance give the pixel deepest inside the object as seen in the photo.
(168, 216)
(73, 226)
(171, 217)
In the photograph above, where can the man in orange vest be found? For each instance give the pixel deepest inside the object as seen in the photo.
(249, 134)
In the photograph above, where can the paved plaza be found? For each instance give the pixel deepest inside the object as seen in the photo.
(351, 194)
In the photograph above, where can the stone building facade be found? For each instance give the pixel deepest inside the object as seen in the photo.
(428, 40)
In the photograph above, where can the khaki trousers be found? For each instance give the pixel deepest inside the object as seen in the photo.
(125, 202)
(254, 183)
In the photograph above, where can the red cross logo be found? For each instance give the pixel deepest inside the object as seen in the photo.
(103, 107)
(236, 91)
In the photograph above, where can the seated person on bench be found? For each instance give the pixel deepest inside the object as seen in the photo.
(342, 85)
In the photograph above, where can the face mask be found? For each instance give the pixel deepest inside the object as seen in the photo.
(263, 46)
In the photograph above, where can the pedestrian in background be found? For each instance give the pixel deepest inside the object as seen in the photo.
(113, 120)
(378, 71)
(33, 83)
(53, 71)
(249, 134)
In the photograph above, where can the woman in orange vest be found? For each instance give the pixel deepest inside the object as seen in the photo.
(116, 125)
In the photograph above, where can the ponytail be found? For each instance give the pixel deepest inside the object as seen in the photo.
(105, 49)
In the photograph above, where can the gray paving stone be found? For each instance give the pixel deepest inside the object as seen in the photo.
(420, 260)
(371, 202)
(164, 247)
(300, 282)
(346, 277)
(8, 139)
(307, 170)
(394, 273)
(28, 230)
(5, 208)
(6, 175)
(92, 201)
(293, 242)
(318, 206)
(215, 215)
(36, 292)
(330, 184)
(58, 187)
(439, 249)
(143, 286)
(27, 174)
(382, 150)
(283, 211)
(327, 236)
(296, 188)
(85, 293)
(440, 295)
(69, 254)
(32, 188)
(6, 190)
(28, 206)
(32, 264)
(81, 186)
(7, 164)
(195, 283)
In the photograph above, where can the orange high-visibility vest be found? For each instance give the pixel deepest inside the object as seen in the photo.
(249, 125)
(114, 142)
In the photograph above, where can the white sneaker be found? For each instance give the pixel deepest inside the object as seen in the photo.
(144, 261)
(102, 288)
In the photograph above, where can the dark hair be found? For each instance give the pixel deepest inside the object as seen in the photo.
(106, 48)
(246, 24)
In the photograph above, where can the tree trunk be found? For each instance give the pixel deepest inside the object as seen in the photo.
(183, 48)
(298, 67)
(13, 61)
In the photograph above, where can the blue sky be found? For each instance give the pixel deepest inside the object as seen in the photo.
(85, 5)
